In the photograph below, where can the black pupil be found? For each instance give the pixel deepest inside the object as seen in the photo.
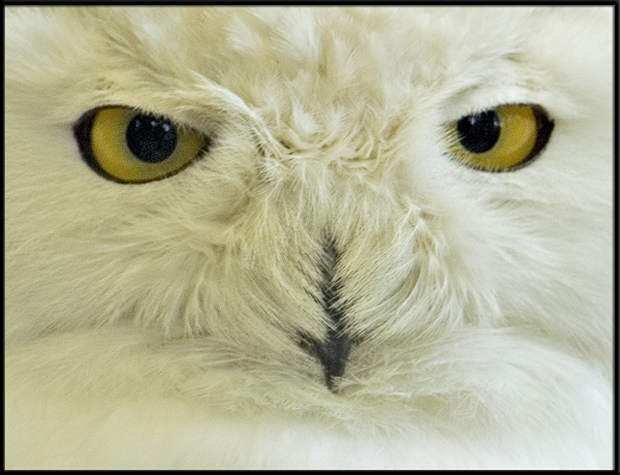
(151, 139)
(479, 133)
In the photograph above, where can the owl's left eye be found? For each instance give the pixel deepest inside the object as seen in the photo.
(501, 139)
(129, 146)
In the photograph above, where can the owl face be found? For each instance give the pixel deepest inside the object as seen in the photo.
(313, 186)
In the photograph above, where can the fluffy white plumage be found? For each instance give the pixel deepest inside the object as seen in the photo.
(157, 325)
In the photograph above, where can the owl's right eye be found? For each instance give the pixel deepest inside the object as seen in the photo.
(130, 146)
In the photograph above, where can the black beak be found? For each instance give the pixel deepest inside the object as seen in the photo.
(333, 350)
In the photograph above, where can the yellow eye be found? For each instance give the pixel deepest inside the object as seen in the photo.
(129, 146)
(501, 139)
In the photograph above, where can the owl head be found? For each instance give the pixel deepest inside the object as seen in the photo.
(313, 187)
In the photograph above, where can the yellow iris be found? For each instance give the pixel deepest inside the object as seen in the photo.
(110, 149)
(523, 132)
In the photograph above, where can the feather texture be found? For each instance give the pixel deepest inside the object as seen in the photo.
(461, 318)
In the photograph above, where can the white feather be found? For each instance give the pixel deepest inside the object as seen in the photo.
(157, 325)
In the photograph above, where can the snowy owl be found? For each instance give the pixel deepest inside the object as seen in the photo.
(308, 237)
